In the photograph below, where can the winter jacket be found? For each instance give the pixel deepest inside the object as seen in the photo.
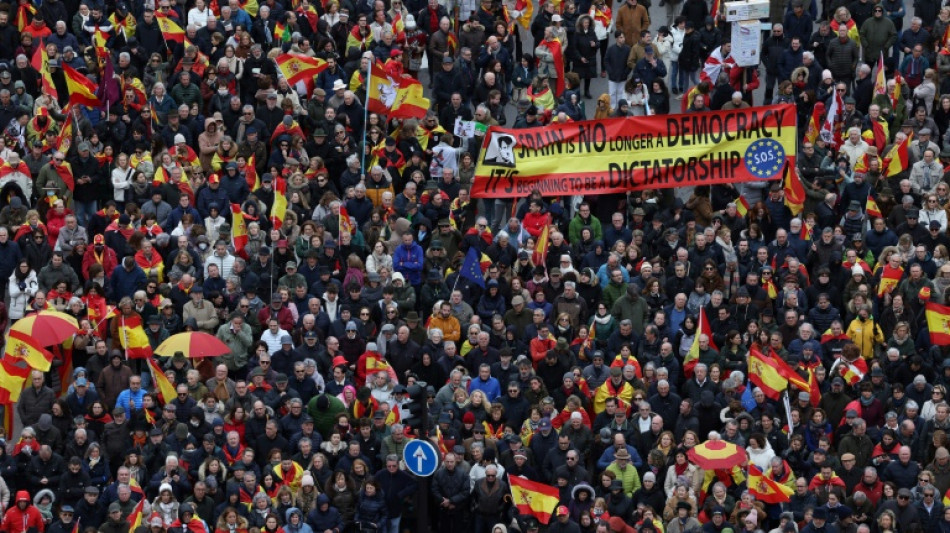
(371, 509)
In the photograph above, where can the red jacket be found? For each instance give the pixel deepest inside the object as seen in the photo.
(16, 520)
(284, 317)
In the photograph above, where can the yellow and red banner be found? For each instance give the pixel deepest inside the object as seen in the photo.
(766, 489)
(938, 322)
(81, 89)
(166, 390)
(637, 153)
(22, 346)
(132, 337)
(296, 67)
(764, 372)
(533, 498)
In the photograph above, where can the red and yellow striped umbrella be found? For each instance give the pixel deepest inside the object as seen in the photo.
(716, 455)
(194, 344)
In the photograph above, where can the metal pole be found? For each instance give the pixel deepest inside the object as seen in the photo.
(369, 78)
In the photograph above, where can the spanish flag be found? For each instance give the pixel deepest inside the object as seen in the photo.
(526, 7)
(898, 159)
(854, 372)
(281, 33)
(813, 129)
(280, 202)
(765, 489)
(890, 277)
(793, 377)
(394, 416)
(742, 206)
(346, 225)
(250, 174)
(764, 373)
(82, 90)
(23, 18)
(22, 346)
(160, 176)
(135, 517)
(541, 247)
(132, 338)
(171, 31)
(880, 79)
(296, 67)
(12, 379)
(165, 388)
(794, 191)
(702, 328)
(871, 208)
(533, 498)
(938, 322)
(238, 229)
(410, 103)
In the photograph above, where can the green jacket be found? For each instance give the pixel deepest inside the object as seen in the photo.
(325, 419)
(577, 224)
(626, 308)
(613, 292)
(239, 345)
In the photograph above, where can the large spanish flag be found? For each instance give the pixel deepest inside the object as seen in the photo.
(165, 388)
(793, 377)
(938, 322)
(296, 67)
(81, 89)
(765, 489)
(132, 337)
(533, 498)
(22, 346)
(764, 372)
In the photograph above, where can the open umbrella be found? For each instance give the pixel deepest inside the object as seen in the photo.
(717, 455)
(47, 327)
(194, 344)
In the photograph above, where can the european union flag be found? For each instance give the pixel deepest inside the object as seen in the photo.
(472, 268)
(747, 400)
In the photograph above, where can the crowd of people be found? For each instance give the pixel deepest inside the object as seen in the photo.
(324, 244)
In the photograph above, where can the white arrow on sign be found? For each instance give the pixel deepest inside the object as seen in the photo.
(420, 456)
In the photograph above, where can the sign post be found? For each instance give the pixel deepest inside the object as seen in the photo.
(422, 459)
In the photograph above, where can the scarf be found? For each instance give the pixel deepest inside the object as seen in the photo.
(680, 469)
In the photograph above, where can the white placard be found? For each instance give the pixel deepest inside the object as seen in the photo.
(464, 128)
(746, 43)
(748, 10)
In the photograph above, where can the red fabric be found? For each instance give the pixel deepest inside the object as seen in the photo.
(108, 260)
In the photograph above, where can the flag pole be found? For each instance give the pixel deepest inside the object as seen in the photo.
(369, 78)
(125, 333)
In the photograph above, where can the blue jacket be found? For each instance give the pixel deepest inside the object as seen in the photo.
(396, 488)
(491, 388)
(408, 261)
(371, 510)
(324, 520)
(125, 283)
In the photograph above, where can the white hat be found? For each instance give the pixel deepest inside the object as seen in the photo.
(556, 18)
(410, 22)
(179, 138)
(398, 276)
(338, 84)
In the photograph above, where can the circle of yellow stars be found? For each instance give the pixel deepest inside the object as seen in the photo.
(769, 168)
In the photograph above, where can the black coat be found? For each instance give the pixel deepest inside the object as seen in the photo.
(585, 47)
